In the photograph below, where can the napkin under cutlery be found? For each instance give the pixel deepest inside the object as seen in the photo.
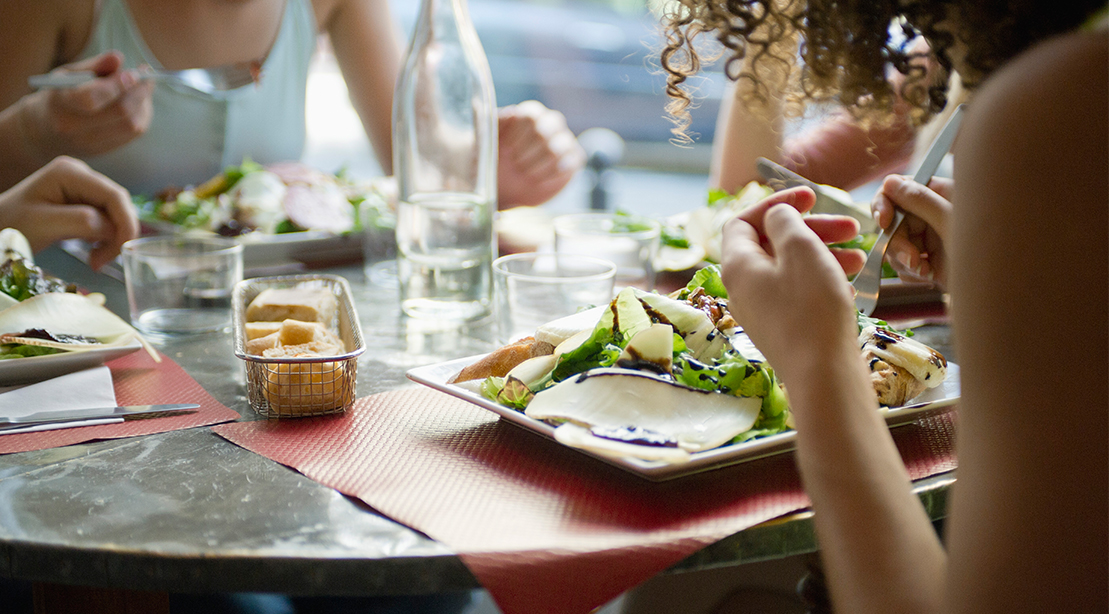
(78, 390)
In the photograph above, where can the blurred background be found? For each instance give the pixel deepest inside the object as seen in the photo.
(596, 61)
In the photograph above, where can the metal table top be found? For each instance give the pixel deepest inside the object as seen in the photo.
(187, 511)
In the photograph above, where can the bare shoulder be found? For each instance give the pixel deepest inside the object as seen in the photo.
(1055, 94)
(38, 36)
(328, 11)
(1029, 235)
(1038, 131)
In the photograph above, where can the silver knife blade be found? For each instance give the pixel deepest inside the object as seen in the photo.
(68, 415)
(825, 202)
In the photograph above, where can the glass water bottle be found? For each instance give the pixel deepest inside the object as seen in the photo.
(445, 161)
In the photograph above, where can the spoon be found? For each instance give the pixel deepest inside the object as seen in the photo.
(214, 79)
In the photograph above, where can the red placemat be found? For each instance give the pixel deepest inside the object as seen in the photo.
(544, 528)
(138, 380)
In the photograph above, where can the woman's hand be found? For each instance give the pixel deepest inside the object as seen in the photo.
(66, 199)
(785, 287)
(916, 251)
(91, 118)
(538, 154)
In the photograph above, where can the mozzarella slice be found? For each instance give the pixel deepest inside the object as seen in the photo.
(557, 331)
(612, 399)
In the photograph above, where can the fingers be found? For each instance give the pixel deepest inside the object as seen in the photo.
(742, 245)
(538, 154)
(800, 198)
(789, 235)
(943, 186)
(93, 96)
(102, 64)
(833, 228)
(796, 243)
(538, 139)
(850, 260)
(87, 205)
(915, 199)
(829, 228)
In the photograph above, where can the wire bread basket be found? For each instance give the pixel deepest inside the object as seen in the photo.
(304, 385)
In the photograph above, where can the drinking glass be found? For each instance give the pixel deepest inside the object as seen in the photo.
(532, 289)
(631, 242)
(181, 284)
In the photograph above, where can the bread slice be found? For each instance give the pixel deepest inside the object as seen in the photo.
(254, 330)
(303, 304)
(499, 362)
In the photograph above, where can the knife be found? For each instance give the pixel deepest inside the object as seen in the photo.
(69, 415)
(825, 202)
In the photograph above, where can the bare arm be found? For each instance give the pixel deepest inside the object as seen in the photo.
(30, 43)
(368, 48)
(836, 152)
(873, 532)
(1027, 530)
(742, 138)
(85, 120)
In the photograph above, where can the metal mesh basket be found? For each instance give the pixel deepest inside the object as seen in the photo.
(300, 386)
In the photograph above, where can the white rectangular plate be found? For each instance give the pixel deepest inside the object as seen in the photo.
(932, 401)
(15, 371)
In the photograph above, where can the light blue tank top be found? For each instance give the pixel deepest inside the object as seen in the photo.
(194, 135)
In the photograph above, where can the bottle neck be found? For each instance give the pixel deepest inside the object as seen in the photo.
(443, 18)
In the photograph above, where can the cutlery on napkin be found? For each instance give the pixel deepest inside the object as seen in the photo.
(81, 398)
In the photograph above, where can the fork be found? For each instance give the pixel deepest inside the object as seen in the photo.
(869, 280)
(214, 79)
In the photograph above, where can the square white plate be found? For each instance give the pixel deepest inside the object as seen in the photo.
(932, 401)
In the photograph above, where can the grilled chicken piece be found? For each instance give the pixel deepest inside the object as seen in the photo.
(900, 368)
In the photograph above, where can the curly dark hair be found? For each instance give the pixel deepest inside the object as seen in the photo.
(846, 47)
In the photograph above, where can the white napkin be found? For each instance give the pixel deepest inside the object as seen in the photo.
(78, 390)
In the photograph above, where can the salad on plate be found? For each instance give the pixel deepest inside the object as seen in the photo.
(255, 201)
(662, 377)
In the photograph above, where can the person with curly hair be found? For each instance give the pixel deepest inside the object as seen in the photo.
(829, 146)
(1020, 242)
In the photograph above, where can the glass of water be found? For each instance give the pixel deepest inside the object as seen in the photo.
(181, 284)
(629, 241)
(444, 249)
(532, 289)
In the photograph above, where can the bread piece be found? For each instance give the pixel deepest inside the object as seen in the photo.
(259, 345)
(499, 362)
(294, 337)
(312, 349)
(254, 330)
(303, 304)
(295, 332)
(306, 387)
